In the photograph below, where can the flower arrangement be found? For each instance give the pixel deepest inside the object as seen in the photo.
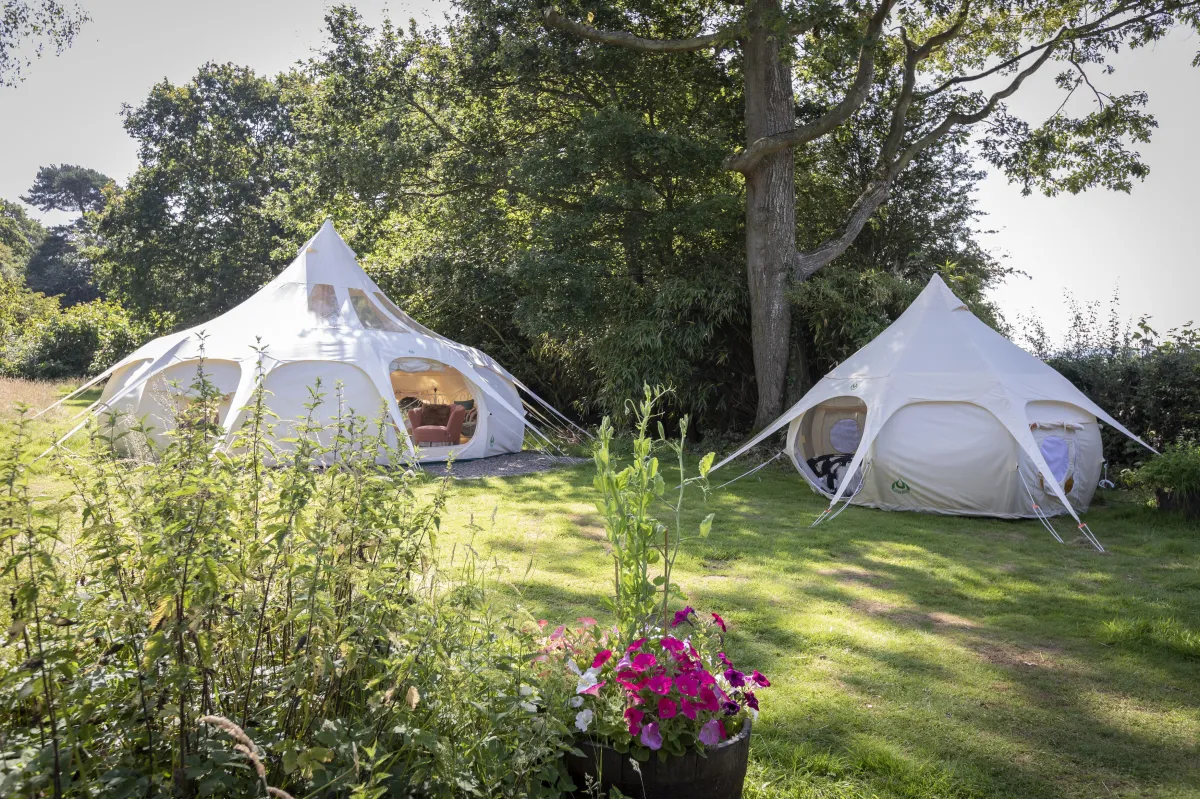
(666, 691)
(655, 681)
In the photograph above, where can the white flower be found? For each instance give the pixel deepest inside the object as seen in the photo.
(753, 713)
(583, 719)
(576, 701)
(586, 680)
(571, 665)
(526, 690)
(529, 707)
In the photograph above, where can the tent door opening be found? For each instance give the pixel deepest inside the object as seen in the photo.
(828, 435)
(439, 404)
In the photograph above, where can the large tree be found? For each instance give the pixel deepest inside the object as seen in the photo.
(59, 266)
(68, 187)
(567, 209)
(812, 67)
(192, 233)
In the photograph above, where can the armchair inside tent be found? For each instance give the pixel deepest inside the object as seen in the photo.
(432, 428)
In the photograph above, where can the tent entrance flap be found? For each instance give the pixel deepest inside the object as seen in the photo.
(433, 394)
(824, 439)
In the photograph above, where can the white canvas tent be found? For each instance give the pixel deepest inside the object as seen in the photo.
(940, 413)
(322, 317)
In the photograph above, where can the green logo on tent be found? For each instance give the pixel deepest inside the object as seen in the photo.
(900, 487)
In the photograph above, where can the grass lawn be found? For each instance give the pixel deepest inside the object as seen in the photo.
(911, 655)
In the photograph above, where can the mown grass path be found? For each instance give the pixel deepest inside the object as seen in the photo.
(912, 655)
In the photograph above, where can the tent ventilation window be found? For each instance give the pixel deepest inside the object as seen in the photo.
(370, 316)
(844, 436)
(389, 306)
(1060, 457)
(322, 303)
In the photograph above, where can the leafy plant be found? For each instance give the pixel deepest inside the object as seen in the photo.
(1175, 471)
(627, 499)
(289, 586)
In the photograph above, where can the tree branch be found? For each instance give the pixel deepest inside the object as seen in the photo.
(806, 264)
(631, 42)
(746, 159)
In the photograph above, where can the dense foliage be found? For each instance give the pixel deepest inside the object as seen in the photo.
(206, 595)
(1176, 471)
(1148, 381)
(41, 339)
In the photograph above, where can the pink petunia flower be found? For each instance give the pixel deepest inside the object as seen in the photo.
(688, 684)
(682, 615)
(601, 658)
(633, 717)
(672, 645)
(660, 685)
(667, 708)
(751, 700)
(735, 678)
(709, 699)
(760, 680)
(644, 661)
(712, 733)
(724, 660)
(690, 709)
(717, 620)
(651, 737)
(636, 645)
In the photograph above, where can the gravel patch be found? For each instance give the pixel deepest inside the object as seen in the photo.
(503, 465)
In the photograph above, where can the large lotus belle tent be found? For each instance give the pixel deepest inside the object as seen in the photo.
(322, 317)
(940, 413)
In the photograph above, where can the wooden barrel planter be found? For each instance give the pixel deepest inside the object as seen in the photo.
(716, 774)
(1187, 504)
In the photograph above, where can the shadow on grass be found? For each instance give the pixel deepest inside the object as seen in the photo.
(918, 655)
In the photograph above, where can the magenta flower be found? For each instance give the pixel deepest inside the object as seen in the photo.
(651, 737)
(708, 700)
(633, 717)
(626, 679)
(688, 684)
(724, 660)
(717, 620)
(751, 700)
(730, 707)
(644, 661)
(682, 615)
(712, 733)
(760, 680)
(601, 658)
(735, 678)
(672, 645)
(690, 709)
(660, 685)
(667, 708)
(636, 645)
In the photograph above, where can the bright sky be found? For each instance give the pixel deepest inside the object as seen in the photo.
(1142, 244)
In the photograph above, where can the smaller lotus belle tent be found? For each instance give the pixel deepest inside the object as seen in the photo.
(940, 413)
(322, 317)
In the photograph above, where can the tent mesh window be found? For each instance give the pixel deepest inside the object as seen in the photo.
(322, 303)
(370, 316)
(389, 305)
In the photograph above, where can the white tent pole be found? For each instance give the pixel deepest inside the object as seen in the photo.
(550, 407)
(79, 390)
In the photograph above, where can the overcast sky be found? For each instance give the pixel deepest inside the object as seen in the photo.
(1142, 244)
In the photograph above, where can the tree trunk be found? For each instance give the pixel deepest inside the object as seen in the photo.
(770, 209)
